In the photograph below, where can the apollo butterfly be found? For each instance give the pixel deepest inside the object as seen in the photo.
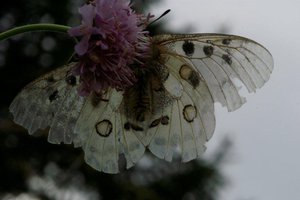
(169, 110)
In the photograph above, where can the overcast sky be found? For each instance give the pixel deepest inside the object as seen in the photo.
(265, 161)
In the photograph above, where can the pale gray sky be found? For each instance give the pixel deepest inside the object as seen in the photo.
(264, 163)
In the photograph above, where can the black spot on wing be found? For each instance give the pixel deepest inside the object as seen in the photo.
(227, 59)
(155, 123)
(71, 80)
(127, 126)
(208, 50)
(194, 79)
(165, 120)
(53, 96)
(188, 74)
(226, 41)
(189, 48)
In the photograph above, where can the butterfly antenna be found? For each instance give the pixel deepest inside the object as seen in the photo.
(162, 15)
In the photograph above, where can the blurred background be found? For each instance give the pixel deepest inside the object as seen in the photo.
(252, 156)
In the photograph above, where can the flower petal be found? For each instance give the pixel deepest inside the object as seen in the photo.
(88, 13)
(76, 31)
(113, 40)
(82, 46)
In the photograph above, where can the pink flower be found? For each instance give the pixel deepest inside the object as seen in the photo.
(113, 41)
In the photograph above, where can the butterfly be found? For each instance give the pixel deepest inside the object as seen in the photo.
(169, 110)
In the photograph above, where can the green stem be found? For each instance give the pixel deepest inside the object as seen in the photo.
(33, 27)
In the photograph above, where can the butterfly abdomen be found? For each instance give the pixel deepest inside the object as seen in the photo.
(142, 107)
(138, 99)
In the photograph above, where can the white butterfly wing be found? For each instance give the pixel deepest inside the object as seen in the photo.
(179, 135)
(202, 69)
(220, 59)
(100, 126)
(51, 100)
(187, 116)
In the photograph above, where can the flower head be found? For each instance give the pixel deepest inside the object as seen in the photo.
(113, 38)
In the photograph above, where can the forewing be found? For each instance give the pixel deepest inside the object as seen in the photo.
(51, 100)
(202, 70)
(220, 59)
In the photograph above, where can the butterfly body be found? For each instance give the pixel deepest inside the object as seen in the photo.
(169, 110)
(138, 99)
